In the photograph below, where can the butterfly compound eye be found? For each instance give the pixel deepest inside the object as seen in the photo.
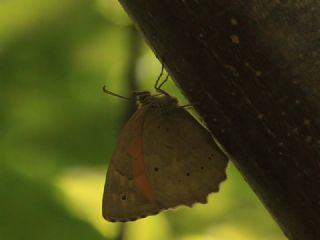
(143, 97)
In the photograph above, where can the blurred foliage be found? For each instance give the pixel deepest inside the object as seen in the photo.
(57, 130)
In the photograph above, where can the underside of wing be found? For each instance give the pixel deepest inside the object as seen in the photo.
(183, 162)
(122, 201)
(127, 193)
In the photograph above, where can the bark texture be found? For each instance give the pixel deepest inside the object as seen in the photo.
(253, 67)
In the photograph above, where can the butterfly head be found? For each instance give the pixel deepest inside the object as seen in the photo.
(143, 97)
(157, 100)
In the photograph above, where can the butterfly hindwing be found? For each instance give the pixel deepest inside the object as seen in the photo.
(183, 163)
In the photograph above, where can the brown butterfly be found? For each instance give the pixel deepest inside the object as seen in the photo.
(164, 158)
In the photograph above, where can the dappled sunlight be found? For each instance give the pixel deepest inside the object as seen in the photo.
(222, 232)
(229, 232)
(154, 227)
(83, 188)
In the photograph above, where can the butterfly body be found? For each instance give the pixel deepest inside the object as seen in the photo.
(164, 158)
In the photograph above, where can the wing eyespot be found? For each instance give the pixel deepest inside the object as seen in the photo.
(202, 167)
(156, 169)
(187, 174)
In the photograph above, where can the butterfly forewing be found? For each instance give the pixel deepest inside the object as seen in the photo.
(122, 200)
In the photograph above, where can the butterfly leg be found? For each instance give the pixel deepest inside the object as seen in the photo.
(159, 77)
(186, 106)
(158, 85)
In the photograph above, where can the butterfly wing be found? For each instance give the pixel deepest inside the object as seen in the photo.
(182, 162)
(127, 193)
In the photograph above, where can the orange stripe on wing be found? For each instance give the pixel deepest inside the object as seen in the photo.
(139, 177)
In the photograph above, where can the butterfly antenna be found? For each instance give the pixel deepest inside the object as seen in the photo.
(104, 88)
(158, 86)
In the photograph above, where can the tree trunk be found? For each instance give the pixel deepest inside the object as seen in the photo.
(253, 68)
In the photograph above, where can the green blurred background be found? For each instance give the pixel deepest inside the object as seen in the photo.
(58, 129)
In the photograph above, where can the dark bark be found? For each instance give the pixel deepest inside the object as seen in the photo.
(253, 67)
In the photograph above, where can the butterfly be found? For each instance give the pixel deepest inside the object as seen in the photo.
(163, 158)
